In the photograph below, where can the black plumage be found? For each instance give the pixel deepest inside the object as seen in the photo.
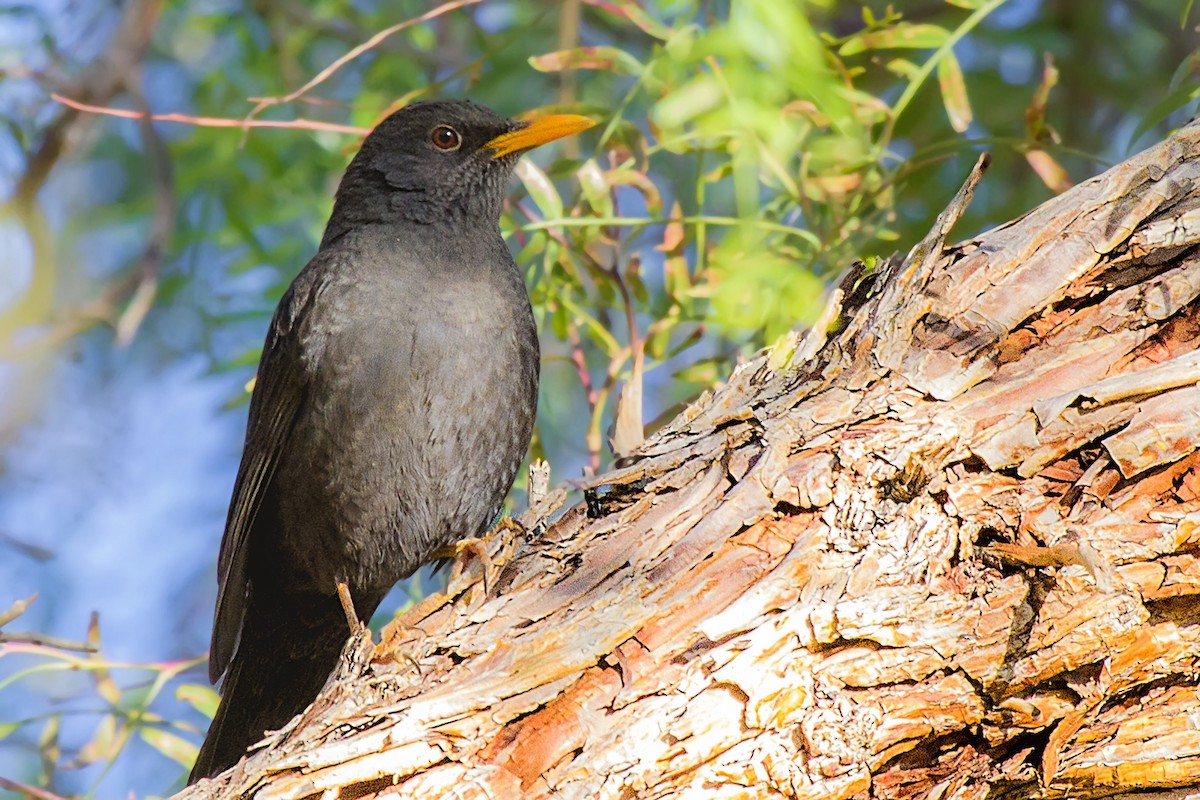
(394, 402)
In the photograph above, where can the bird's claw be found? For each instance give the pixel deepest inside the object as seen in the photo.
(475, 546)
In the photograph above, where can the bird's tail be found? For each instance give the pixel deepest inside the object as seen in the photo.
(287, 650)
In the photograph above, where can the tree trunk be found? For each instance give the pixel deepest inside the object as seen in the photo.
(945, 544)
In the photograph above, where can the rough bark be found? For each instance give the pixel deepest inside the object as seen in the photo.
(945, 544)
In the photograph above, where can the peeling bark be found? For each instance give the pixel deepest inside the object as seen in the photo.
(943, 545)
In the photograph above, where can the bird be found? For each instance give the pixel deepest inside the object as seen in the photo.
(393, 404)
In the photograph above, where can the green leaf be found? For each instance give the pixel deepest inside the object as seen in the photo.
(596, 190)
(701, 373)
(593, 328)
(919, 36)
(1164, 108)
(201, 698)
(171, 745)
(642, 182)
(910, 91)
(903, 68)
(49, 748)
(560, 322)
(540, 188)
(105, 684)
(659, 341)
(689, 101)
(534, 247)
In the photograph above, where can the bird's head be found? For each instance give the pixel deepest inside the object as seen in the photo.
(441, 161)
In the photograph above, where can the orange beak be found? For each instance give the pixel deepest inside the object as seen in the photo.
(538, 132)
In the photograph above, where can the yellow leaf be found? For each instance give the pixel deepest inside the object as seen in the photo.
(954, 93)
(1049, 170)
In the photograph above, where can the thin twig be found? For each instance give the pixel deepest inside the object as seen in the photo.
(355, 52)
(99, 80)
(29, 791)
(42, 640)
(214, 122)
(18, 608)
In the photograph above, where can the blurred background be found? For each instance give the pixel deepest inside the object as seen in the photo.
(746, 153)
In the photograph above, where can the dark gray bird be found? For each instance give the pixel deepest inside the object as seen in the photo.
(394, 402)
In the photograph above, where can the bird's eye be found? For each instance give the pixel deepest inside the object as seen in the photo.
(446, 138)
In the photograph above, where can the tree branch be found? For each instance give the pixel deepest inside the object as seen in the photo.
(794, 589)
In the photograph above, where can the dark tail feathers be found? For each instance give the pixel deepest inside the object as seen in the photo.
(287, 650)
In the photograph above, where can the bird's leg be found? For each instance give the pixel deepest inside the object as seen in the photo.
(343, 592)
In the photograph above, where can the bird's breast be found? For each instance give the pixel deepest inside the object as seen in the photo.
(419, 414)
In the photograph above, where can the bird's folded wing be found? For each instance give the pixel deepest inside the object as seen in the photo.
(279, 392)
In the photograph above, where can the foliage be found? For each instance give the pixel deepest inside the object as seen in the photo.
(746, 154)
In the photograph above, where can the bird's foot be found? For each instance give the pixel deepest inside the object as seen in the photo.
(505, 533)
(391, 647)
(405, 629)
(460, 552)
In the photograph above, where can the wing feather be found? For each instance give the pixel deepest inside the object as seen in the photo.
(279, 392)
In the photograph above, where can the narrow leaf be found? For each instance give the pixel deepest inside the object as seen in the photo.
(1049, 170)
(540, 188)
(171, 745)
(627, 433)
(607, 59)
(594, 183)
(1035, 113)
(105, 684)
(903, 35)
(104, 744)
(1164, 108)
(673, 232)
(638, 16)
(954, 93)
(202, 698)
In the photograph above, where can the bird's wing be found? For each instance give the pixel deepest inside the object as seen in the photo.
(279, 392)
